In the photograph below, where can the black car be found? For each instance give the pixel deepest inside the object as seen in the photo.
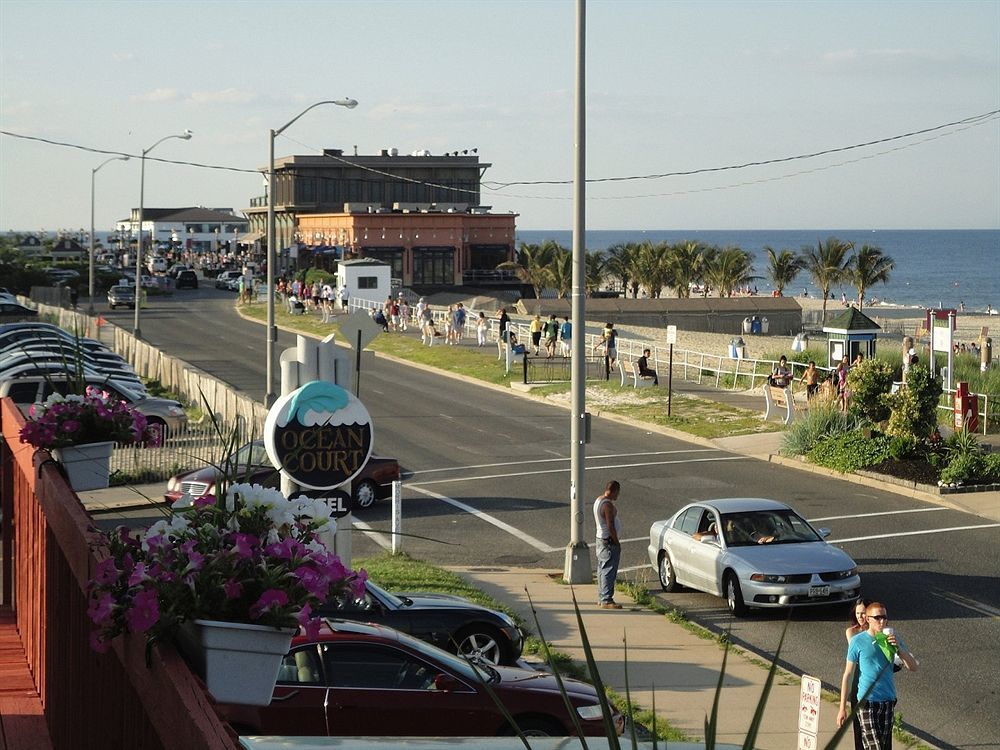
(449, 622)
(16, 311)
(187, 279)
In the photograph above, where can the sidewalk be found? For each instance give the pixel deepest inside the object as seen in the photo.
(680, 667)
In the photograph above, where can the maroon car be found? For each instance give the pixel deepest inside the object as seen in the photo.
(251, 464)
(355, 679)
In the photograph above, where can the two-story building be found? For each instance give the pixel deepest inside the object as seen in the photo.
(196, 230)
(420, 213)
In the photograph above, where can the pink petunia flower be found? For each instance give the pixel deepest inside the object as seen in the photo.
(269, 600)
(144, 613)
(101, 608)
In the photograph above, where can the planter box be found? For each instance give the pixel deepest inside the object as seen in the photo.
(87, 466)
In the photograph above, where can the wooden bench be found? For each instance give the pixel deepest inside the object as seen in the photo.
(780, 402)
(630, 371)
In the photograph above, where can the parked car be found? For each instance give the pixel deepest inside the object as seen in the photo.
(165, 412)
(187, 279)
(449, 622)
(354, 679)
(10, 311)
(374, 482)
(223, 279)
(44, 350)
(121, 296)
(753, 552)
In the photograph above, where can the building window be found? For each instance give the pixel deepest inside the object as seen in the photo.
(367, 282)
(433, 265)
(391, 255)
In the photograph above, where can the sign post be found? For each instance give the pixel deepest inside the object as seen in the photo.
(809, 704)
(671, 340)
(359, 330)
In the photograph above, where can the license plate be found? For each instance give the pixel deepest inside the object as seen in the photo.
(815, 591)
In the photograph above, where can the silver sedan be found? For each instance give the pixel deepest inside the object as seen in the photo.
(754, 553)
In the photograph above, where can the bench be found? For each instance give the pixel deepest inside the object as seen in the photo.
(630, 371)
(780, 402)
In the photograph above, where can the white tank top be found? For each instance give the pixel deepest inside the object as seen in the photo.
(602, 527)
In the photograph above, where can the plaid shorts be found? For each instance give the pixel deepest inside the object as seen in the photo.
(875, 718)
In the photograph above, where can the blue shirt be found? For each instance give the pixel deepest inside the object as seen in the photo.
(869, 660)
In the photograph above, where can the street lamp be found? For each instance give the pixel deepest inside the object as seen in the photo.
(272, 330)
(185, 136)
(93, 172)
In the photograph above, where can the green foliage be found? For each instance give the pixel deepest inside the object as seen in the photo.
(962, 468)
(991, 466)
(868, 383)
(320, 275)
(902, 446)
(914, 407)
(961, 442)
(850, 451)
(822, 421)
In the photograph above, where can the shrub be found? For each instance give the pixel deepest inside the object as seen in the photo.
(914, 406)
(963, 468)
(318, 274)
(991, 466)
(868, 383)
(850, 451)
(822, 420)
(902, 446)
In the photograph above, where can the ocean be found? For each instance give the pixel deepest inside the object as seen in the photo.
(933, 268)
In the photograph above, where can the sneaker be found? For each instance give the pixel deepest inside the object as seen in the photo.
(610, 605)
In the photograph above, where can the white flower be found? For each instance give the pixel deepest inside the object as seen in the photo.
(312, 509)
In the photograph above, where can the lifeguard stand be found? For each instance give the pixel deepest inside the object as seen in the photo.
(850, 333)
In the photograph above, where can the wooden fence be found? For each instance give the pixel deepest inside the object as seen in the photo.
(91, 701)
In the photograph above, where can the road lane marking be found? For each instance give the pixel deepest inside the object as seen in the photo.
(914, 533)
(971, 604)
(517, 533)
(565, 458)
(565, 469)
(881, 513)
(376, 536)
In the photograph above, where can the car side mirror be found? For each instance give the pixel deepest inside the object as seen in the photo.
(445, 683)
(823, 532)
(710, 539)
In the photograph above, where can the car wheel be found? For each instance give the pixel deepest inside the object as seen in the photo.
(668, 579)
(365, 494)
(536, 726)
(734, 595)
(480, 642)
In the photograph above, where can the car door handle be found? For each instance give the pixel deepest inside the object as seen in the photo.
(285, 697)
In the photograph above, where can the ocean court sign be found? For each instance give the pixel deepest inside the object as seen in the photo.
(319, 436)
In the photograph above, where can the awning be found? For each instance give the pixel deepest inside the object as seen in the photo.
(250, 237)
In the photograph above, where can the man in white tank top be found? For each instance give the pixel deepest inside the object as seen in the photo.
(609, 550)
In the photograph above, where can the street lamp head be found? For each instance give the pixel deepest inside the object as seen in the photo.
(349, 103)
(187, 134)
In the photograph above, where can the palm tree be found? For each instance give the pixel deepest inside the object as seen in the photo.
(595, 270)
(652, 267)
(621, 264)
(730, 268)
(868, 267)
(533, 265)
(686, 262)
(562, 273)
(827, 264)
(782, 268)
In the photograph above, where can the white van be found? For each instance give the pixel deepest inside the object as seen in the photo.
(157, 264)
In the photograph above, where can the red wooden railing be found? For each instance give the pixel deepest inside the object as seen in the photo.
(91, 701)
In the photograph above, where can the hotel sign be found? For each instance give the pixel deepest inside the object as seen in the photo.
(319, 436)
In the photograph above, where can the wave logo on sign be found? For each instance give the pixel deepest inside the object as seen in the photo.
(319, 436)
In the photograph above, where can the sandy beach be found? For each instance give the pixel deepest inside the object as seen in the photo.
(894, 320)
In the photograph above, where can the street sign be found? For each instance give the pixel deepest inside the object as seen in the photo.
(809, 704)
(358, 323)
(671, 334)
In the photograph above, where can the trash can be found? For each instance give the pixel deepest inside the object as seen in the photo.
(755, 326)
(737, 348)
(746, 325)
(764, 326)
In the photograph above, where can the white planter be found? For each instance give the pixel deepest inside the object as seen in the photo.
(239, 662)
(87, 466)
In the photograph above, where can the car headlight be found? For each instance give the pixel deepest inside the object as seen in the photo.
(841, 575)
(175, 411)
(590, 713)
(764, 578)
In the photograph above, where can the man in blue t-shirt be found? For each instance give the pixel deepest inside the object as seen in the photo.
(871, 651)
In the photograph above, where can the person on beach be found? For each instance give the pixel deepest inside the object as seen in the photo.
(481, 327)
(566, 336)
(609, 340)
(781, 377)
(840, 380)
(609, 548)
(858, 624)
(871, 652)
(504, 327)
(551, 333)
(810, 379)
(536, 333)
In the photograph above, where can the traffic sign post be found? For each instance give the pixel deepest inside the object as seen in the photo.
(809, 703)
(359, 330)
(671, 340)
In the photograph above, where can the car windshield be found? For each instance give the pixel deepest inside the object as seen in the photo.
(251, 454)
(780, 526)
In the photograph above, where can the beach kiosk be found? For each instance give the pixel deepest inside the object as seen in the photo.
(850, 333)
(366, 279)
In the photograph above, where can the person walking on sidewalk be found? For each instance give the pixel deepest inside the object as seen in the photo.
(609, 549)
(871, 652)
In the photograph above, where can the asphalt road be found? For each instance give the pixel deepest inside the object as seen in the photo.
(489, 487)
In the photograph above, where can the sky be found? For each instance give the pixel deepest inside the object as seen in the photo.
(670, 87)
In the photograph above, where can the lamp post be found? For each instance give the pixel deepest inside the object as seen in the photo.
(93, 172)
(185, 136)
(272, 330)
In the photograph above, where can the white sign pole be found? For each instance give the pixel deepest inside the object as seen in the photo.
(397, 517)
(810, 698)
